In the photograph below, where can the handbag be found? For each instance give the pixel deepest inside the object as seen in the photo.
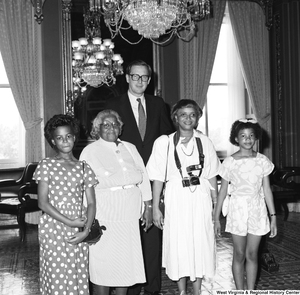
(96, 231)
(268, 262)
(225, 205)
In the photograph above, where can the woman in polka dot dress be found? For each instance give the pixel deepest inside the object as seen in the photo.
(61, 179)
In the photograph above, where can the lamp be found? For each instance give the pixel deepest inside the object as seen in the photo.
(154, 18)
(94, 62)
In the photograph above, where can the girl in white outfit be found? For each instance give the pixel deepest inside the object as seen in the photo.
(248, 172)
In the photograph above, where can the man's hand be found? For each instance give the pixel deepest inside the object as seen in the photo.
(147, 217)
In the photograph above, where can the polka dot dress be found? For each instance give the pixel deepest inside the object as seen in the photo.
(63, 267)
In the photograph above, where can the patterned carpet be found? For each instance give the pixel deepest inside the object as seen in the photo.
(19, 265)
(286, 250)
(19, 261)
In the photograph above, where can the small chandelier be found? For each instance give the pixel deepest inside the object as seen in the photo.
(94, 62)
(154, 18)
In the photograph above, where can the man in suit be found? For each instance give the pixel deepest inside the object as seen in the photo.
(157, 123)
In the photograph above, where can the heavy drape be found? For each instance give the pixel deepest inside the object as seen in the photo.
(196, 58)
(21, 56)
(252, 37)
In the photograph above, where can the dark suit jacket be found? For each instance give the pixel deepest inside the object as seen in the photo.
(158, 122)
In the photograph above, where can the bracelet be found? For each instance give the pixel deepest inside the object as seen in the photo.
(274, 214)
(149, 206)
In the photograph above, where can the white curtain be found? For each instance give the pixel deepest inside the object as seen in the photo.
(19, 44)
(252, 37)
(196, 57)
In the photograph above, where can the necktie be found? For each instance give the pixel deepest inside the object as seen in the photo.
(142, 119)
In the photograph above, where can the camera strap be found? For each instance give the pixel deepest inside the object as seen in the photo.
(200, 150)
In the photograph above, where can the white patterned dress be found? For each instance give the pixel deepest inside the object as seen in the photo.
(247, 208)
(63, 267)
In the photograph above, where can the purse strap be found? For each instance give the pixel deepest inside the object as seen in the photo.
(166, 172)
(167, 159)
(229, 189)
(82, 186)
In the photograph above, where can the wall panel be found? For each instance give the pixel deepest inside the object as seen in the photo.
(285, 60)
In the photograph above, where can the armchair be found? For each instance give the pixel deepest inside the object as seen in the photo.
(286, 186)
(15, 199)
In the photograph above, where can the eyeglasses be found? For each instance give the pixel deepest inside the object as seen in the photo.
(186, 116)
(136, 77)
(107, 126)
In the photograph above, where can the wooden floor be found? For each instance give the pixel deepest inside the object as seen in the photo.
(19, 270)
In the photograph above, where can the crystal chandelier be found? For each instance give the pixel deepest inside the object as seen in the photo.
(150, 18)
(94, 62)
(154, 18)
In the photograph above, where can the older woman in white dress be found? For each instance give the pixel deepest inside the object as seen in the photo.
(188, 161)
(117, 260)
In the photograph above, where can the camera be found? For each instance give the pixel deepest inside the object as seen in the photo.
(193, 168)
(191, 180)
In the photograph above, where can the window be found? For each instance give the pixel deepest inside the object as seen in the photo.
(227, 98)
(12, 131)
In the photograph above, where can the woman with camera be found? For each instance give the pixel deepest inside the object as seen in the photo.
(187, 162)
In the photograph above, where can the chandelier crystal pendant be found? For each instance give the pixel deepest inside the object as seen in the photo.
(154, 18)
(94, 61)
